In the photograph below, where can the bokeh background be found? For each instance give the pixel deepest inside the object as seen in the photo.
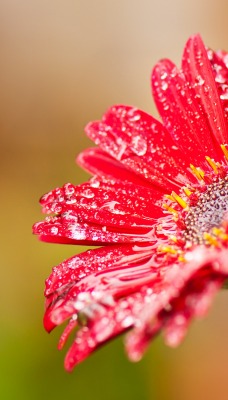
(63, 62)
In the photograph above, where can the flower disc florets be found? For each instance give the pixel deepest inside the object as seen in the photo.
(209, 212)
(203, 208)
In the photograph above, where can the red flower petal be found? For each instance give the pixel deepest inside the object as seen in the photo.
(142, 145)
(100, 211)
(98, 162)
(106, 203)
(198, 72)
(144, 277)
(102, 273)
(172, 296)
(93, 262)
(179, 107)
(66, 229)
(186, 291)
(219, 63)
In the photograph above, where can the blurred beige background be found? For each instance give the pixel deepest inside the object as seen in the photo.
(63, 63)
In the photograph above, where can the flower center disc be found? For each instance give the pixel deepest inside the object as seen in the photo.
(209, 212)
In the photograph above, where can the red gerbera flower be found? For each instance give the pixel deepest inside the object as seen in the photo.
(157, 205)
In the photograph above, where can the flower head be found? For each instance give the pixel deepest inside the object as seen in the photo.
(156, 206)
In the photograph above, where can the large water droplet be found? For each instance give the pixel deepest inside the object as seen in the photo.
(139, 145)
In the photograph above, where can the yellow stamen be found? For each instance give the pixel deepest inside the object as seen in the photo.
(169, 197)
(179, 200)
(167, 249)
(224, 237)
(187, 191)
(225, 151)
(217, 231)
(170, 209)
(197, 172)
(173, 238)
(210, 239)
(212, 164)
(220, 234)
(181, 258)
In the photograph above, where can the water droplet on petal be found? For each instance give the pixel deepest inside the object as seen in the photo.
(199, 80)
(139, 145)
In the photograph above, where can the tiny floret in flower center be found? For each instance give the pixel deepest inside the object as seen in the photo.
(208, 213)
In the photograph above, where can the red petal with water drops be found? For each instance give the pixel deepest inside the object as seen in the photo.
(92, 262)
(142, 145)
(198, 72)
(100, 211)
(219, 63)
(186, 291)
(104, 272)
(98, 162)
(181, 113)
(111, 204)
(170, 298)
(144, 278)
(68, 230)
(106, 323)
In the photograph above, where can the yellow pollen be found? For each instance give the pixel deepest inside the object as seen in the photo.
(173, 238)
(169, 197)
(210, 239)
(217, 231)
(167, 249)
(187, 191)
(199, 174)
(225, 151)
(212, 164)
(170, 209)
(179, 200)
(224, 237)
(220, 234)
(181, 258)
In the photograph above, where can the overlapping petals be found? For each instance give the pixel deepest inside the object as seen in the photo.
(113, 289)
(135, 281)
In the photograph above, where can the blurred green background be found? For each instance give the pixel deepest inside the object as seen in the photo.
(62, 64)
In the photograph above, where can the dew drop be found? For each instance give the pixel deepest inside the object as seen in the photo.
(164, 85)
(139, 145)
(54, 230)
(164, 75)
(88, 193)
(199, 80)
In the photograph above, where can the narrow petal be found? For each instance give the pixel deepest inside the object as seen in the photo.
(98, 162)
(198, 72)
(110, 291)
(99, 211)
(111, 204)
(141, 144)
(182, 115)
(93, 262)
(185, 292)
(219, 63)
(96, 275)
(68, 230)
